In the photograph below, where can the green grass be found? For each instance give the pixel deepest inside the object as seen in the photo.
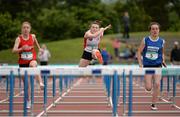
(62, 52)
(70, 51)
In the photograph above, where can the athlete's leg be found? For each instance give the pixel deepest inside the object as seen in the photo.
(156, 88)
(33, 63)
(84, 63)
(29, 91)
(148, 82)
(96, 54)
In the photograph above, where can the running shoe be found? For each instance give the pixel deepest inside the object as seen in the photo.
(153, 107)
(28, 104)
(99, 57)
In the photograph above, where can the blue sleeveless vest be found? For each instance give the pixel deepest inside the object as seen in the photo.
(152, 52)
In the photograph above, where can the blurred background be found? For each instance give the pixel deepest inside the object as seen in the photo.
(61, 24)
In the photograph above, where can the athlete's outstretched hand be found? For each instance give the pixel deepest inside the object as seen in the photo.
(107, 27)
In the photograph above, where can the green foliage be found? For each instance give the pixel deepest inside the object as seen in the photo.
(157, 10)
(62, 19)
(56, 24)
(174, 21)
(139, 19)
(143, 19)
(70, 51)
(8, 31)
(82, 3)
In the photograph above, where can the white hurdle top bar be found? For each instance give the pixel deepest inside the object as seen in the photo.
(75, 70)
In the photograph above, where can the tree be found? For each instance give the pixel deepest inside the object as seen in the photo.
(157, 10)
(81, 3)
(176, 6)
(8, 31)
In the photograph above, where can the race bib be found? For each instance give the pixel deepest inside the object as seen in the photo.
(91, 48)
(152, 55)
(26, 55)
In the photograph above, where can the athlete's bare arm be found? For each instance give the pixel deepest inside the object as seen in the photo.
(163, 57)
(88, 34)
(16, 45)
(36, 42)
(140, 49)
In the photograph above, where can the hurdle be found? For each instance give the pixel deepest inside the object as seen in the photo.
(164, 72)
(75, 71)
(28, 71)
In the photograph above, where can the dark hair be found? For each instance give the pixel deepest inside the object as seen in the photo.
(153, 23)
(98, 22)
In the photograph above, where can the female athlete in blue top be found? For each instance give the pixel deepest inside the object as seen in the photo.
(151, 54)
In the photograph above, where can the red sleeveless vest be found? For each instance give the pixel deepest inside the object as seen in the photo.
(26, 56)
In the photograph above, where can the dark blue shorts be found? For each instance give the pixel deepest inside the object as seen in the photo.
(151, 71)
(158, 65)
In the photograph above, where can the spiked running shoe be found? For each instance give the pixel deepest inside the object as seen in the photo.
(153, 107)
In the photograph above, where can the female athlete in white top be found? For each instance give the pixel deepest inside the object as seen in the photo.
(92, 40)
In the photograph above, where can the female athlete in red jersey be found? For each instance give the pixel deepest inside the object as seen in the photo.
(24, 46)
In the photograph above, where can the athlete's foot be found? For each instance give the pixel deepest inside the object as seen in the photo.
(28, 104)
(41, 86)
(153, 107)
(99, 57)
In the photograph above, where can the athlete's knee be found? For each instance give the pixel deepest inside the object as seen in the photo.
(83, 63)
(148, 87)
(33, 63)
(94, 51)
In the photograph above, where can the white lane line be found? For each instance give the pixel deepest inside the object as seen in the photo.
(173, 104)
(1, 101)
(18, 94)
(51, 105)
